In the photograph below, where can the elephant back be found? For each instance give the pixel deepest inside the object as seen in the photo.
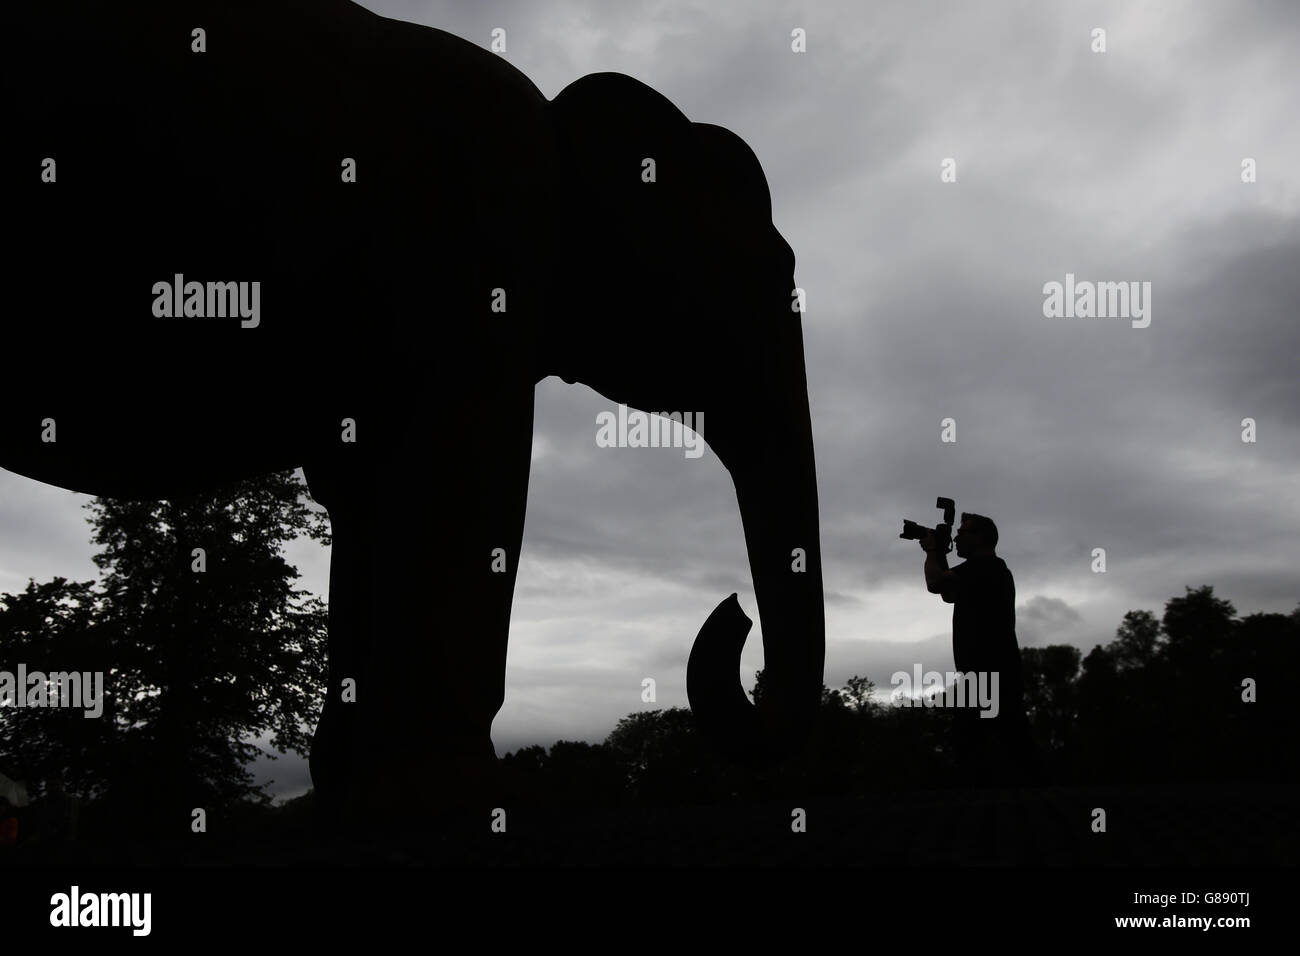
(232, 224)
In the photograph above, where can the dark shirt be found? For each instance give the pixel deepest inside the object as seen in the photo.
(984, 621)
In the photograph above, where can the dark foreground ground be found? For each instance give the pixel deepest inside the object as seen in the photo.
(1206, 825)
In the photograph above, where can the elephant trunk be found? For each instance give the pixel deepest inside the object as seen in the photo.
(768, 448)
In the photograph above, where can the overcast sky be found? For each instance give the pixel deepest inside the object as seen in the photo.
(924, 301)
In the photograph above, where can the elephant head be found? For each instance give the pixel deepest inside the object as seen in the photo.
(672, 290)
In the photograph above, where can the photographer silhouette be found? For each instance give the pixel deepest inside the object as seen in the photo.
(989, 749)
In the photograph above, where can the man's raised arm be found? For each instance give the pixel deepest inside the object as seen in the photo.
(938, 579)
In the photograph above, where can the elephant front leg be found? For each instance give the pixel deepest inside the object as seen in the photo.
(444, 544)
(341, 489)
(330, 761)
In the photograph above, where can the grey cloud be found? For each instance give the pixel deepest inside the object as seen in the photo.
(1042, 618)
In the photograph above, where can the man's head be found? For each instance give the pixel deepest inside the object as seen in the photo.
(977, 535)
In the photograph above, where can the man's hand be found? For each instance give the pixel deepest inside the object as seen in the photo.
(937, 540)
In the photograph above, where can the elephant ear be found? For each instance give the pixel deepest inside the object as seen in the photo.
(606, 126)
(614, 132)
(617, 226)
(691, 252)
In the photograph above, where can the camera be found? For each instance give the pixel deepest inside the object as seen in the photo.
(942, 534)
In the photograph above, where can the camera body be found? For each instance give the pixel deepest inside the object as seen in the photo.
(942, 533)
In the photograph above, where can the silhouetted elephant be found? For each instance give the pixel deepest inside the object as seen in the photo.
(379, 303)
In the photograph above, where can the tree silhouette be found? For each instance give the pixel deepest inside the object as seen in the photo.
(857, 694)
(1267, 652)
(1137, 642)
(52, 628)
(204, 641)
(662, 756)
(1051, 697)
